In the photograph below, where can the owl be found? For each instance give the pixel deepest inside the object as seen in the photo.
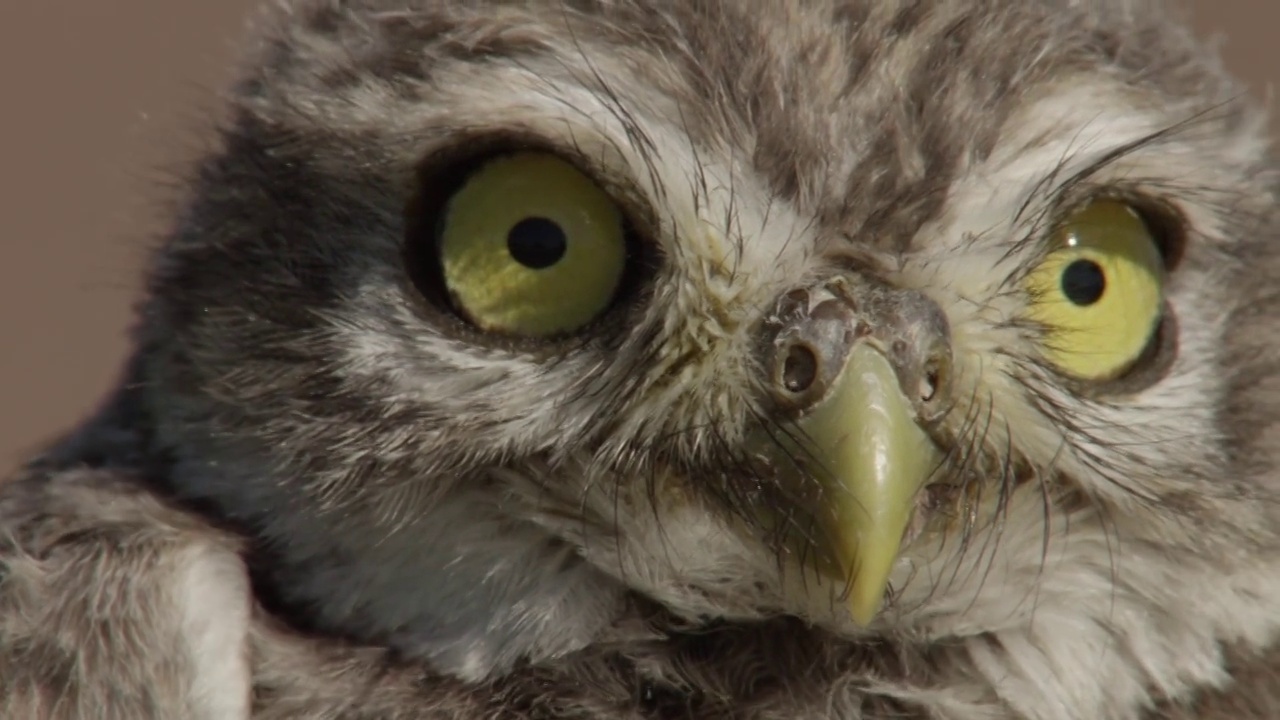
(641, 359)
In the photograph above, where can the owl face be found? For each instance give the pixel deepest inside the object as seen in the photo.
(886, 315)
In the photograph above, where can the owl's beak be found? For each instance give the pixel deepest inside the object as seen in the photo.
(860, 369)
(864, 445)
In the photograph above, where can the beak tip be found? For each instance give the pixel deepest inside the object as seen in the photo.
(866, 596)
(863, 614)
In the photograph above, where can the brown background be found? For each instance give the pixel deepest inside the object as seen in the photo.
(103, 101)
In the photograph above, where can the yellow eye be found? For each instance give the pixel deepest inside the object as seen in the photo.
(531, 246)
(1100, 294)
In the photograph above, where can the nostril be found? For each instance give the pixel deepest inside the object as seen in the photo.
(929, 385)
(932, 379)
(800, 369)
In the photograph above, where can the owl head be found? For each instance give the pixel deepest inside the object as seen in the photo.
(491, 320)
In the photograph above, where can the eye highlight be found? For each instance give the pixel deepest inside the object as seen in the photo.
(1099, 294)
(530, 246)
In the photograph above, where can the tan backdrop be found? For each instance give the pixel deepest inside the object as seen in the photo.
(103, 101)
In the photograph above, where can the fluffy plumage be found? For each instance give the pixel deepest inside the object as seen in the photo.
(440, 523)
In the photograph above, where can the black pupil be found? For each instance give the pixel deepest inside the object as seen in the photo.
(1083, 282)
(537, 243)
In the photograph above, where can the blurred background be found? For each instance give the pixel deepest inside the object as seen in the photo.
(106, 102)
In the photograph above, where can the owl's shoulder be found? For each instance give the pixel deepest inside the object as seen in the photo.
(114, 604)
(118, 602)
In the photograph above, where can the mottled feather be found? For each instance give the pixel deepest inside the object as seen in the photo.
(318, 494)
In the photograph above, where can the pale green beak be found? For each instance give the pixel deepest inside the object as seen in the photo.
(863, 444)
